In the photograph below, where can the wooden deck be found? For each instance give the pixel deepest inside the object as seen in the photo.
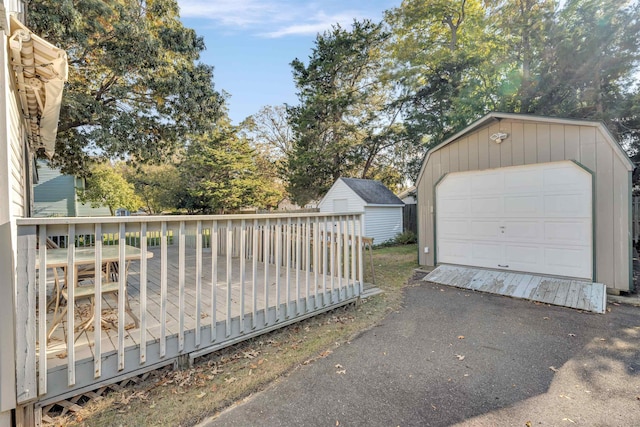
(578, 294)
(280, 288)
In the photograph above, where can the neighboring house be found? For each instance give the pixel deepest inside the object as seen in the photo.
(32, 75)
(531, 194)
(382, 219)
(408, 196)
(55, 194)
(286, 204)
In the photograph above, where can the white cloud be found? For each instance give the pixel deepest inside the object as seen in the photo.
(275, 18)
(315, 25)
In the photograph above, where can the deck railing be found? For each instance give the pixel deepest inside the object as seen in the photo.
(201, 283)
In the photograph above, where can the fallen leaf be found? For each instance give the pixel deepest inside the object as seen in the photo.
(572, 335)
(568, 419)
(528, 424)
(61, 355)
(615, 303)
(341, 371)
(252, 366)
(460, 337)
(230, 380)
(566, 397)
(553, 368)
(433, 406)
(201, 395)
(545, 318)
(214, 388)
(338, 366)
(260, 362)
(337, 422)
(460, 357)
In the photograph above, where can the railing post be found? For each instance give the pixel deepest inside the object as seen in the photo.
(25, 316)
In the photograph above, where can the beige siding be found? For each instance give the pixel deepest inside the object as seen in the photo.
(517, 142)
(540, 141)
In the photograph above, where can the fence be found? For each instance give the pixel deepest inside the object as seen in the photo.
(410, 218)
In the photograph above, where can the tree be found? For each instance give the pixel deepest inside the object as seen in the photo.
(345, 123)
(157, 185)
(455, 61)
(106, 187)
(270, 132)
(442, 54)
(135, 87)
(219, 173)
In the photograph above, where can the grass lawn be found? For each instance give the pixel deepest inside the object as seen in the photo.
(221, 379)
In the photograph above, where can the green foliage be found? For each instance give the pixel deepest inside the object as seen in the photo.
(135, 87)
(456, 61)
(406, 238)
(106, 187)
(219, 174)
(157, 185)
(345, 124)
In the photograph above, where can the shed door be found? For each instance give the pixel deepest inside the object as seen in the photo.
(534, 218)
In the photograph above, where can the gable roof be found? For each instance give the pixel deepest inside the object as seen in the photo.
(495, 116)
(372, 192)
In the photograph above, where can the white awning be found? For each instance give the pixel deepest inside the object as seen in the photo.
(41, 70)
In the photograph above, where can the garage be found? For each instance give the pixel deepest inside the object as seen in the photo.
(534, 218)
(537, 195)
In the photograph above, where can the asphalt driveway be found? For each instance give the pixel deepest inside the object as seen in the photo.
(450, 356)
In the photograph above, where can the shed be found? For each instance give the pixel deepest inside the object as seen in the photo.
(531, 194)
(382, 219)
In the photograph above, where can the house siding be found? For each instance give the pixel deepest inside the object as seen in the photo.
(55, 195)
(541, 141)
(382, 223)
(338, 191)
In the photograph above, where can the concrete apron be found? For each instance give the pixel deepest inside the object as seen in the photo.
(573, 293)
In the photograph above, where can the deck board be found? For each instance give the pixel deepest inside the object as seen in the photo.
(578, 294)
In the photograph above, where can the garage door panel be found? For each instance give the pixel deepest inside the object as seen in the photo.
(567, 205)
(522, 205)
(523, 181)
(454, 206)
(454, 228)
(454, 251)
(457, 185)
(487, 183)
(535, 218)
(564, 179)
(486, 251)
(523, 257)
(523, 230)
(483, 230)
(561, 260)
(486, 206)
(567, 232)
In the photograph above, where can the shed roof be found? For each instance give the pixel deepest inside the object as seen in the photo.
(496, 116)
(372, 192)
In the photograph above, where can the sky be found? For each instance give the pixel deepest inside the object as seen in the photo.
(251, 43)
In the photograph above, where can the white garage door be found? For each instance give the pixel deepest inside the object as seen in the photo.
(534, 218)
